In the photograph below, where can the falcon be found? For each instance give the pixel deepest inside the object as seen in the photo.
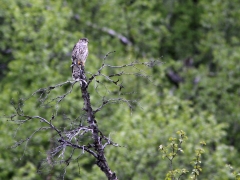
(79, 57)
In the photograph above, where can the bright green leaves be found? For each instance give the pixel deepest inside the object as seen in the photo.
(197, 169)
(174, 149)
(36, 42)
(234, 172)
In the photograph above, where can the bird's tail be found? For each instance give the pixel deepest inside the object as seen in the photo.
(78, 73)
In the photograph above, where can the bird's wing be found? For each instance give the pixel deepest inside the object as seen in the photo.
(74, 52)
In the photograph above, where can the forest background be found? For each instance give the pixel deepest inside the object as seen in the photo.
(195, 88)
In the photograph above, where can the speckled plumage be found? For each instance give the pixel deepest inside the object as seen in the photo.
(79, 57)
(76, 72)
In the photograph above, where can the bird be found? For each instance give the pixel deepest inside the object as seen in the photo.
(79, 57)
(76, 72)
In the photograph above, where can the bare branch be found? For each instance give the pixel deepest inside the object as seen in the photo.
(132, 64)
(28, 139)
(105, 57)
(117, 100)
(113, 33)
(73, 136)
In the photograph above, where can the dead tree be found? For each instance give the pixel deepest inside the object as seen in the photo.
(70, 137)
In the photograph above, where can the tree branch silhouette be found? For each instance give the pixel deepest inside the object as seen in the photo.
(72, 138)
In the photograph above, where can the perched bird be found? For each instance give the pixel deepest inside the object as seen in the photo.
(79, 57)
(76, 72)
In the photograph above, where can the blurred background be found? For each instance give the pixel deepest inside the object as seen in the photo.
(196, 88)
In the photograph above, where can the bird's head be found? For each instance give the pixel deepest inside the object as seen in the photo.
(84, 41)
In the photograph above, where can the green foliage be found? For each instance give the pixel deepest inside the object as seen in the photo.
(36, 42)
(170, 151)
(173, 149)
(234, 172)
(197, 161)
(141, 133)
